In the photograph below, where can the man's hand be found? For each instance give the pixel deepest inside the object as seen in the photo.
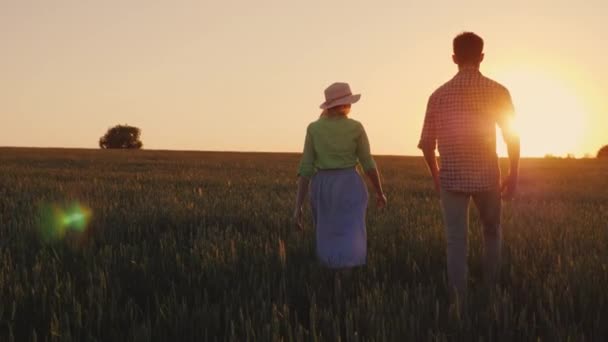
(431, 161)
(437, 183)
(297, 219)
(509, 186)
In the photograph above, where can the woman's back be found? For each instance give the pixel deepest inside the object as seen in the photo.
(335, 142)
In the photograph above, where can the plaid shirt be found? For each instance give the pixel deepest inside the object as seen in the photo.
(460, 121)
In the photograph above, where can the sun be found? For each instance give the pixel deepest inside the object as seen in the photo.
(550, 115)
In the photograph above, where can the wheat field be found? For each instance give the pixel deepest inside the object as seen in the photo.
(198, 246)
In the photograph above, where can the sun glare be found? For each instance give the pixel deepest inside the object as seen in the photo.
(550, 116)
(57, 220)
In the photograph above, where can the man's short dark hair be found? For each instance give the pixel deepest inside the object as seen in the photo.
(468, 47)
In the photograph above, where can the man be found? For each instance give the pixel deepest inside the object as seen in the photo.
(461, 121)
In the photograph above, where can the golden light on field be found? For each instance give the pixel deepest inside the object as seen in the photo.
(550, 115)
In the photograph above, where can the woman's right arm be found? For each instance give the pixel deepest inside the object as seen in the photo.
(300, 198)
(306, 170)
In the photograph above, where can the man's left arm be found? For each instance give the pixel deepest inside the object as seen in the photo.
(511, 138)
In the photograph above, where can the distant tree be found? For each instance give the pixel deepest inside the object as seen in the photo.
(121, 136)
(603, 152)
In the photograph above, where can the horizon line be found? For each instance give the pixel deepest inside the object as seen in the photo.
(547, 156)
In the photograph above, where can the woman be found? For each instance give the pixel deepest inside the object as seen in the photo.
(333, 147)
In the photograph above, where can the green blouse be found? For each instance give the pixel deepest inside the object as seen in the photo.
(335, 143)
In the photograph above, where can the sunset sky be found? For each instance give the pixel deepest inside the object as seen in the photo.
(249, 75)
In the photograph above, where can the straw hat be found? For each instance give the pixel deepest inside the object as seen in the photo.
(339, 94)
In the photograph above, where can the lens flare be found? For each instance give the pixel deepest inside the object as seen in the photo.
(57, 221)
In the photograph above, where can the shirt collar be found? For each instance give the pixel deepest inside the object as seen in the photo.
(468, 70)
(332, 117)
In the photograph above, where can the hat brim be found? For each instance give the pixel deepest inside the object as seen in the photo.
(339, 102)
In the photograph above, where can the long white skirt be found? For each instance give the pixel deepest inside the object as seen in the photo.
(339, 203)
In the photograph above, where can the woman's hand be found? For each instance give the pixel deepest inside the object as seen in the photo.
(297, 218)
(381, 200)
(374, 177)
(300, 198)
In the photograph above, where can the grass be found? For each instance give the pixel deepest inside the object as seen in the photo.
(190, 246)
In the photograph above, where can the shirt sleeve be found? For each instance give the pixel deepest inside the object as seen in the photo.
(506, 116)
(307, 168)
(364, 152)
(428, 137)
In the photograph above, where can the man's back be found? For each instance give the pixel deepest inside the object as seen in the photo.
(461, 121)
